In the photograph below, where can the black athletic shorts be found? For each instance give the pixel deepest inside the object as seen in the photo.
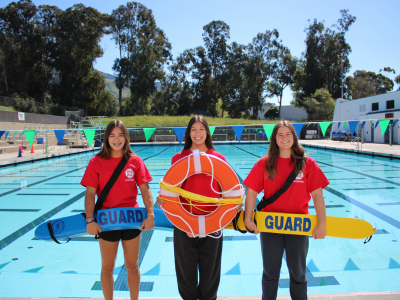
(116, 235)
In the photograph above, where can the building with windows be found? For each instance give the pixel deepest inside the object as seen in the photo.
(288, 112)
(371, 109)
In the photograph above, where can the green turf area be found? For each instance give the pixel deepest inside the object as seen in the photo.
(179, 121)
(7, 108)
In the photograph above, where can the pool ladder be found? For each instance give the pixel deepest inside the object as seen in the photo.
(357, 143)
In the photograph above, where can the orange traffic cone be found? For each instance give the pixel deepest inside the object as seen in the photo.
(32, 150)
(20, 147)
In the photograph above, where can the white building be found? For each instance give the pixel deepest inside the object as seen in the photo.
(373, 108)
(288, 112)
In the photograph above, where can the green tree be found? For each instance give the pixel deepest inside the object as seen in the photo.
(272, 113)
(18, 46)
(77, 36)
(320, 106)
(234, 100)
(260, 65)
(146, 48)
(166, 99)
(364, 84)
(326, 54)
(215, 37)
(121, 64)
(397, 80)
(282, 76)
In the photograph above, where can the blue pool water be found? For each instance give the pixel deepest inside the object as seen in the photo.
(361, 187)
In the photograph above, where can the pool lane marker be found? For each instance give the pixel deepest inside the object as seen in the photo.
(40, 181)
(31, 225)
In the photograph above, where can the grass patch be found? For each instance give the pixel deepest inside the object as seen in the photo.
(7, 108)
(181, 121)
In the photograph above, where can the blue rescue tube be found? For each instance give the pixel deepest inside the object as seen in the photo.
(108, 219)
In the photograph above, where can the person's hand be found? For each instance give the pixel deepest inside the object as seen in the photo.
(319, 232)
(160, 201)
(239, 207)
(93, 228)
(190, 235)
(147, 224)
(251, 227)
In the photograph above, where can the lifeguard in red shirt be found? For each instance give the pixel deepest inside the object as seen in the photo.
(195, 255)
(268, 175)
(123, 194)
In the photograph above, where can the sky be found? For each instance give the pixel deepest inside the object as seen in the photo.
(374, 39)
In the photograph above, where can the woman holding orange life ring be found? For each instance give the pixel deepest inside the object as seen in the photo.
(195, 255)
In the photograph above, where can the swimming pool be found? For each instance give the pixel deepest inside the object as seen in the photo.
(361, 187)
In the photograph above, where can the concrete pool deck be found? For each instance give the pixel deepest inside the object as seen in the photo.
(367, 148)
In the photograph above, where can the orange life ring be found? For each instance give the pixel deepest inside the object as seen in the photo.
(200, 162)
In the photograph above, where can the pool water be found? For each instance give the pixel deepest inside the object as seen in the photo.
(361, 186)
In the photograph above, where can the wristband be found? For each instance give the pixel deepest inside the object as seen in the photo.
(248, 222)
(151, 215)
(90, 220)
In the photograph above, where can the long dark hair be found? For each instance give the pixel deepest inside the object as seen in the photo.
(188, 140)
(273, 150)
(106, 149)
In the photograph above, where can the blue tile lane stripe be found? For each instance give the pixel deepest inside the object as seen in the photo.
(361, 205)
(28, 227)
(121, 283)
(363, 174)
(19, 210)
(40, 181)
(388, 203)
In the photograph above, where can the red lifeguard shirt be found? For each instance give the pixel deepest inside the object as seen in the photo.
(124, 192)
(295, 199)
(199, 184)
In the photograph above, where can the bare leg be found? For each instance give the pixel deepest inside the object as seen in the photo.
(108, 255)
(131, 254)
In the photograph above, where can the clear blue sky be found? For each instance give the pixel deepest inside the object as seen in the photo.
(374, 39)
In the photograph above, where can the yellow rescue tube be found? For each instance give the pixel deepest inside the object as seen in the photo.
(304, 225)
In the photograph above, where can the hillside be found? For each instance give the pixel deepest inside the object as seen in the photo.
(110, 83)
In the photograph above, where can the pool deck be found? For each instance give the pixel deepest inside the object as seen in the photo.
(384, 150)
(343, 296)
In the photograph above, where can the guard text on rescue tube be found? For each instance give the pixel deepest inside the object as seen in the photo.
(288, 223)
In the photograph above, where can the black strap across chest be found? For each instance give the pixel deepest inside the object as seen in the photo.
(102, 197)
(264, 202)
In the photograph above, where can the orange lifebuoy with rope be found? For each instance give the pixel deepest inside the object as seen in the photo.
(232, 194)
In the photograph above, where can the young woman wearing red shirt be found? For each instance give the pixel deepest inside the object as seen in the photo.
(122, 194)
(194, 255)
(269, 174)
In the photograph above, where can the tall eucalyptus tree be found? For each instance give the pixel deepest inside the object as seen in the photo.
(146, 50)
(282, 76)
(262, 53)
(215, 36)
